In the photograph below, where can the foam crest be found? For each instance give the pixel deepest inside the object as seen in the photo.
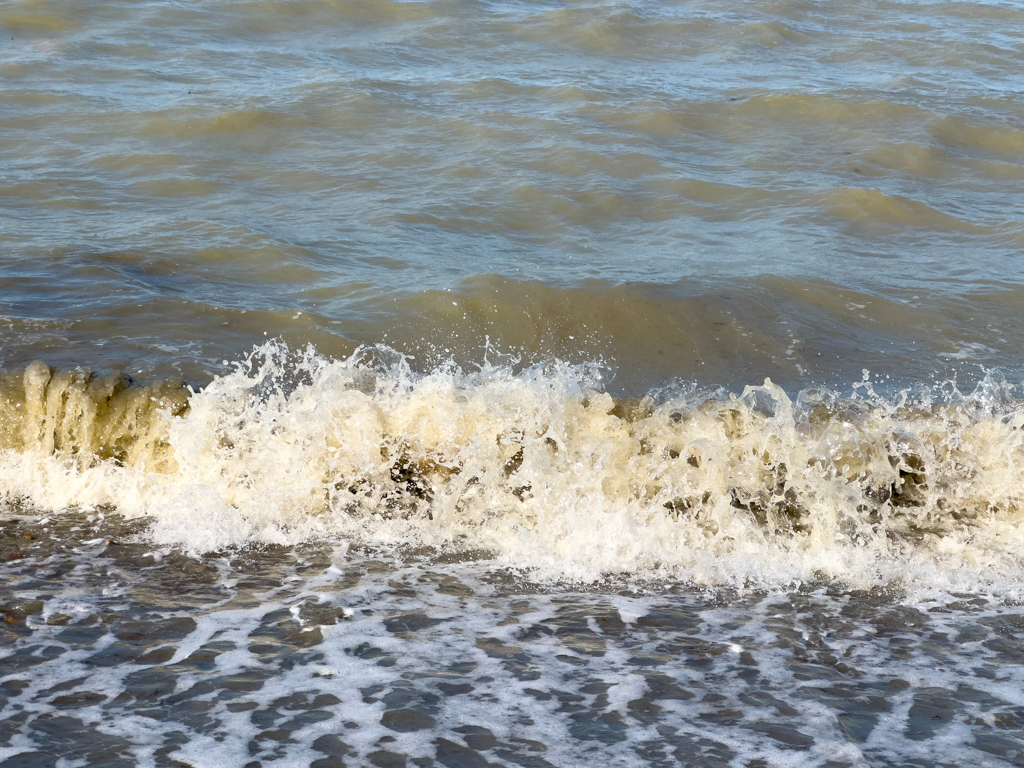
(539, 468)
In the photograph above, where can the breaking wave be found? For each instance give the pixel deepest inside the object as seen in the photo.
(537, 467)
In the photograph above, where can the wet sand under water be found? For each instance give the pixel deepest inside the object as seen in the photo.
(119, 654)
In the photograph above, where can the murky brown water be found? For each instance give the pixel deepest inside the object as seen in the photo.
(697, 189)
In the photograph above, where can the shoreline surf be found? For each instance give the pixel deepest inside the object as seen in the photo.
(540, 466)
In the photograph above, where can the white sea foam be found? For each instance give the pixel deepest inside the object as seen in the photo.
(541, 469)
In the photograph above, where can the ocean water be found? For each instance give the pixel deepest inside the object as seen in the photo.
(455, 383)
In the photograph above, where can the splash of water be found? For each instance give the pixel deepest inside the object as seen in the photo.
(539, 467)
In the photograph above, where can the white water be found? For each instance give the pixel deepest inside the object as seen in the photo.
(540, 470)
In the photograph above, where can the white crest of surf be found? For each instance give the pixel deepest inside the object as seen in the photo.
(540, 468)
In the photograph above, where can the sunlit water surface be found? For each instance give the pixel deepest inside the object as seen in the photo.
(530, 500)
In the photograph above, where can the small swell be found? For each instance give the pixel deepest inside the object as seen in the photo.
(228, 122)
(871, 208)
(997, 139)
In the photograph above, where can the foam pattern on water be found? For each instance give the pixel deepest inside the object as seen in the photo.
(539, 469)
(118, 654)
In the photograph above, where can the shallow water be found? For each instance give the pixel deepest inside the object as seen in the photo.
(129, 655)
(511, 383)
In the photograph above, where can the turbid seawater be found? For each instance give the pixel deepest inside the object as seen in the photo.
(534, 383)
